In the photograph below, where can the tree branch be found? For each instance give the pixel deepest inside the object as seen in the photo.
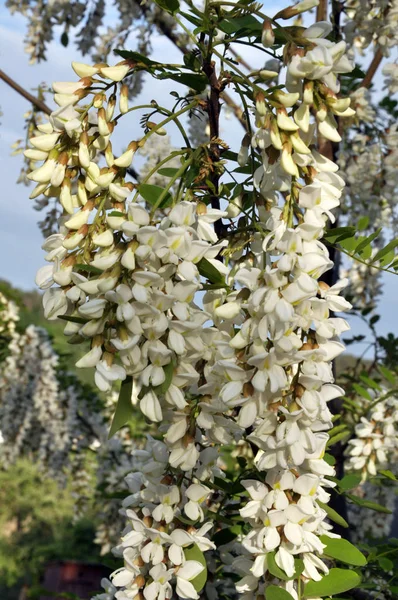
(322, 11)
(175, 39)
(374, 65)
(39, 104)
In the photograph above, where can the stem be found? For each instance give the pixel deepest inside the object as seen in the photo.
(174, 38)
(171, 117)
(170, 184)
(157, 167)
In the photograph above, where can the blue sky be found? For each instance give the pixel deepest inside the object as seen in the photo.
(20, 238)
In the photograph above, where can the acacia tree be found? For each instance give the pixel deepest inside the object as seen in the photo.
(210, 298)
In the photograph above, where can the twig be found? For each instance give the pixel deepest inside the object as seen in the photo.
(374, 65)
(40, 105)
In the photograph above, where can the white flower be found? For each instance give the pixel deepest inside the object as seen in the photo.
(185, 575)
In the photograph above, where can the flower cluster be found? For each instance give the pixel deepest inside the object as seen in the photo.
(370, 524)
(247, 364)
(375, 444)
(372, 23)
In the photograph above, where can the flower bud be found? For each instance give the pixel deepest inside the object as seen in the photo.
(124, 99)
(103, 126)
(84, 154)
(234, 207)
(292, 11)
(65, 196)
(110, 109)
(298, 144)
(266, 74)
(284, 121)
(125, 159)
(287, 162)
(308, 94)
(99, 100)
(45, 142)
(267, 36)
(302, 117)
(83, 70)
(260, 104)
(243, 154)
(103, 239)
(59, 172)
(116, 73)
(110, 159)
(33, 154)
(287, 100)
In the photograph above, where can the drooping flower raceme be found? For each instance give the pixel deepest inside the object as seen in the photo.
(375, 444)
(248, 364)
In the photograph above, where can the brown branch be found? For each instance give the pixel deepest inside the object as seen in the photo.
(175, 39)
(374, 65)
(213, 110)
(39, 104)
(322, 10)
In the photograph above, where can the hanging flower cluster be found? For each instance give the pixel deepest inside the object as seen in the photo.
(375, 445)
(44, 412)
(372, 23)
(250, 362)
(370, 524)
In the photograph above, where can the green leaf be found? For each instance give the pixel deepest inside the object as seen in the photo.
(87, 268)
(170, 6)
(362, 391)
(194, 553)
(389, 375)
(332, 514)
(343, 551)
(138, 58)
(193, 80)
(385, 563)
(337, 438)
(349, 482)
(337, 581)
(368, 380)
(229, 155)
(368, 504)
(225, 536)
(329, 459)
(367, 241)
(274, 592)
(151, 194)
(72, 319)
(362, 223)
(209, 271)
(123, 408)
(167, 172)
(116, 213)
(390, 246)
(339, 233)
(246, 23)
(65, 39)
(388, 474)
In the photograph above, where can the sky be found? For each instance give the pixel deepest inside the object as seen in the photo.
(20, 237)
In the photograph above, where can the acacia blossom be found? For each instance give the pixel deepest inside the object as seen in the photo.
(250, 364)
